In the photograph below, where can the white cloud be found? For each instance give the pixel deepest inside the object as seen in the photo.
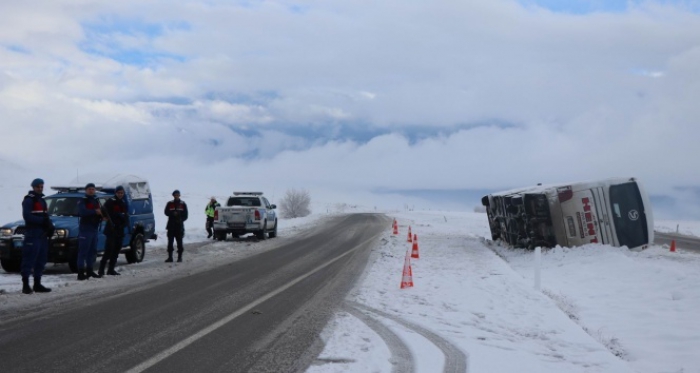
(250, 83)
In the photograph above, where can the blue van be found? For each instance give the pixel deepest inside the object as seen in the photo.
(63, 208)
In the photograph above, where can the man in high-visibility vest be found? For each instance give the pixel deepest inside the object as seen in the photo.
(209, 211)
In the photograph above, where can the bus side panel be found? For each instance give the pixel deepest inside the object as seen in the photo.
(581, 210)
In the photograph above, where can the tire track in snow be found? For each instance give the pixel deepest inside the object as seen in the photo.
(455, 359)
(401, 357)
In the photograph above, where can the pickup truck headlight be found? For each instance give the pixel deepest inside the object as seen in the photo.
(5, 232)
(60, 233)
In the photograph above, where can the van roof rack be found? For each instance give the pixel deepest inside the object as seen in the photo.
(248, 193)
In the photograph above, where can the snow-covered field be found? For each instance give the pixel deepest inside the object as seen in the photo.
(600, 309)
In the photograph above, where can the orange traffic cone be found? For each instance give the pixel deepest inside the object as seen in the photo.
(409, 235)
(407, 276)
(414, 254)
(396, 227)
(673, 246)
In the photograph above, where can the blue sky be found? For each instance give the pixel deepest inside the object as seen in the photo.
(354, 99)
(105, 37)
(583, 7)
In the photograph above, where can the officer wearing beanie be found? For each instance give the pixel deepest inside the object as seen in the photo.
(176, 211)
(209, 211)
(90, 217)
(39, 230)
(116, 210)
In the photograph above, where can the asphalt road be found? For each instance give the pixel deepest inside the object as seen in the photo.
(683, 242)
(259, 314)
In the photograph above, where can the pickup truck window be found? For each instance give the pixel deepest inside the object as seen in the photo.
(243, 201)
(67, 206)
(62, 206)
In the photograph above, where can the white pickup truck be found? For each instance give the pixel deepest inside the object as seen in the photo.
(245, 212)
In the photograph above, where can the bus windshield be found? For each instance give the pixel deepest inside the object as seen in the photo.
(629, 216)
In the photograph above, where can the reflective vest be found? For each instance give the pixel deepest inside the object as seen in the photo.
(209, 210)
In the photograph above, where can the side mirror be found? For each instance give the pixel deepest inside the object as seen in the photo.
(273, 206)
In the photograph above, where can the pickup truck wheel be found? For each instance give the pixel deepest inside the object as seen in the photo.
(220, 235)
(11, 266)
(262, 234)
(273, 233)
(138, 250)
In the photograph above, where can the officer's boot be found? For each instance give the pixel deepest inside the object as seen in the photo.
(38, 287)
(170, 258)
(26, 289)
(81, 274)
(89, 272)
(179, 257)
(111, 270)
(101, 271)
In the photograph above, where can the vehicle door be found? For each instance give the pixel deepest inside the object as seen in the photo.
(271, 213)
(140, 212)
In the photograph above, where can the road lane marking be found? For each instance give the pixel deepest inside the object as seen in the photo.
(193, 338)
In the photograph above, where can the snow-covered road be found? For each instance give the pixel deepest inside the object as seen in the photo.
(601, 309)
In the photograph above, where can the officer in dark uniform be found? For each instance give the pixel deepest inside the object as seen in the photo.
(116, 211)
(90, 219)
(176, 210)
(39, 230)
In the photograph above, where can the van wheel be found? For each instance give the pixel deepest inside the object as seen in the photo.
(273, 233)
(138, 250)
(11, 266)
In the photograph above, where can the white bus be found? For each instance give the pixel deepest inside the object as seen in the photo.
(615, 212)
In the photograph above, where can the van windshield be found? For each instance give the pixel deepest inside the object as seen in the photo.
(243, 201)
(629, 215)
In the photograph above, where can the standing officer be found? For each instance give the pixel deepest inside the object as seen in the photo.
(39, 230)
(209, 211)
(90, 218)
(116, 210)
(176, 210)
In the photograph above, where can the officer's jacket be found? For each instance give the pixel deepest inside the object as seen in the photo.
(34, 211)
(87, 207)
(117, 210)
(209, 210)
(176, 211)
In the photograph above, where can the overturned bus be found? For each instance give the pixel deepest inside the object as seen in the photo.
(614, 211)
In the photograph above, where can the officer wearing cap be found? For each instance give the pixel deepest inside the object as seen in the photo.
(116, 210)
(38, 231)
(90, 218)
(176, 211)
(209, 212)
